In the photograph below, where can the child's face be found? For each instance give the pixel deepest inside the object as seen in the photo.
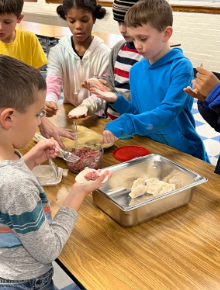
(80, 23)
(123, 31)
(8, 23)
(149, 42)
(25, 125)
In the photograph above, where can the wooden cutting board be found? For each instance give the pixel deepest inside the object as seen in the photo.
(85, 136)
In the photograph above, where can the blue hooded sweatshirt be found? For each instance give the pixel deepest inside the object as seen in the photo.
(159, 108)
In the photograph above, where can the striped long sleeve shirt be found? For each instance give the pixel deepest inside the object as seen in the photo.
(126, 57)
(29, 239)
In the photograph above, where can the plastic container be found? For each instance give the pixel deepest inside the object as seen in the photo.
(91, 156)
(126, 153)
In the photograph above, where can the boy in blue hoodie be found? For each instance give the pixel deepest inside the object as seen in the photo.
(159, 108)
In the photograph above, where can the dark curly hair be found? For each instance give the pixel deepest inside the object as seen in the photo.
(90, 5)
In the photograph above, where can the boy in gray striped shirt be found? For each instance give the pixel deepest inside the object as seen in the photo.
(29, 239)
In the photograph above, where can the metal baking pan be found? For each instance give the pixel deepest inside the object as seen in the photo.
(113, 198)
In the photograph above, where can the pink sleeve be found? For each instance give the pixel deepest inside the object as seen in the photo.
(54, 84)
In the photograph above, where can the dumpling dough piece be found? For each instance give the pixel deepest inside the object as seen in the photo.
(79, 111)
(138, 191)
(105, 94)
(138, 188)
(164, 189)
(93, 82)
(80, 178)
(152, 185)
(138, 182)
(157, 187)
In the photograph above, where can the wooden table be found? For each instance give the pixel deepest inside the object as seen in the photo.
(50, 32)
(57, 32)
(179, 250)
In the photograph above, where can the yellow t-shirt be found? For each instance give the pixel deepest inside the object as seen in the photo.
(25, 47)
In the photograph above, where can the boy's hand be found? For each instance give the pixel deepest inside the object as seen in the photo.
(194, 95)
(106, 85)
(49, 130)
(80, 191)
(109, 96)
(86, 85)
(108, 137)
(77, 117)
(88, 187)
(41, 152)
(205, 81)
(50, 108)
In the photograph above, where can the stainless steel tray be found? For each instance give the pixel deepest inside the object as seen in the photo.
(113, 198)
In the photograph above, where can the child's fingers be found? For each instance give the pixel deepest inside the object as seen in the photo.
(51, 106)
(104, 82)
(98, 182)
(72, 117)
(99, 96)
(189, 91)
(202, 70)
(53, 153)
(49, 143)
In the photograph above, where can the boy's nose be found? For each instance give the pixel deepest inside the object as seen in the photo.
(138, 45)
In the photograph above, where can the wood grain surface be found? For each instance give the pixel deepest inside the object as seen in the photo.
(178, 250)
(52, 31)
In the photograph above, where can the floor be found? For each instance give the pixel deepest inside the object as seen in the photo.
(61, 280)
(209, 136)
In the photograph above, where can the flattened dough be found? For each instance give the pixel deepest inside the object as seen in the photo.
(93, 81)
(79, 111)
(105, 94)
(81, 179)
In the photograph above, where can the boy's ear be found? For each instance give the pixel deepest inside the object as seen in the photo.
(20, 18)
(6, 118)
(94, 20)
(168, 33)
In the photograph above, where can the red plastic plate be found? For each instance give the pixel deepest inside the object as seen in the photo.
(126, 153)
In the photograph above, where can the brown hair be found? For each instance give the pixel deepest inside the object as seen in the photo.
(19, 84)
(11, 7)
(158, 13)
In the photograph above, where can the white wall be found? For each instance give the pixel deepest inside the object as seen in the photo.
(198, 33)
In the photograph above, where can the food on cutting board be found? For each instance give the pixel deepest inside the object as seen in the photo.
(87, 173)
(154, 186)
